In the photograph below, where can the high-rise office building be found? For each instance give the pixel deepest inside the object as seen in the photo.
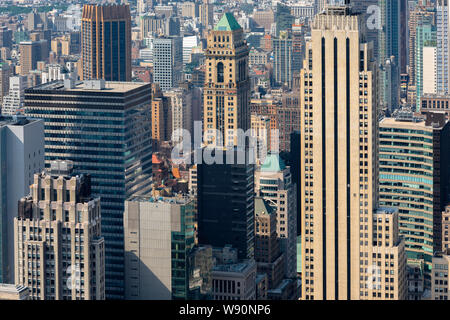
(206, 13)
(181, 110)
(298, 48)
(58, 248)
(442, 46)
(440, 286)
(387, 277)
(153, 24)
(425, 37)
(6, 39)
(338, 157)
(104, 128)
(446, 228)
(189, 9)
(413, 176)
(226, 92)
(5, 72)
(167, 61)
(106, 42)
(369, 10)
(13, 101)
(389, 53)
(283, 59)
(30, 54)
(419, 15)
(273, 183)
(225, 201)
(159, 235)
(161, 116)
(22, 155)
(268, 255)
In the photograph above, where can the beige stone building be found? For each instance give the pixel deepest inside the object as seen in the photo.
(273, 182)
(13, 292)
(227, 84)
(339, 165)
(58, 248)
(440, 286)
(446, 228)
(261, 132)
(387, 279)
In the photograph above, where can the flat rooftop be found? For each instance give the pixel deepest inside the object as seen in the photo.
(415, 122)
(159, 199)
(235, 267)
(18, 120)
(111, 86)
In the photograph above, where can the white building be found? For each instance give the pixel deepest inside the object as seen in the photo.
(21, 156)
(54, 72)
(429, 70)
(13, 101)
(188, 43)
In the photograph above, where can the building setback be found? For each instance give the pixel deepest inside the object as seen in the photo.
(104, 128)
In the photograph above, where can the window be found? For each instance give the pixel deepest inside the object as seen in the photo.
(220, 76)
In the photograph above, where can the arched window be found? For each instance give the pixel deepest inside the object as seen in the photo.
(220, 77)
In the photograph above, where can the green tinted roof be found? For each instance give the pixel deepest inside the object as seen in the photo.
(262, 207)
(273, 163)
(227, 23)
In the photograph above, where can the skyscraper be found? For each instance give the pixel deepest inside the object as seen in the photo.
(414, 173)
(227, 83)
(225, 201)
(425, 37)
(167, 61)
(30, 54)
(159, 235)
(13, 101)
(341, 250)
(283, 59)
(389, 53)
(206, 13)
(59, 250)
(104, 128)
(21, 156)
(273, 183)
(106, 42)
(337, 157)
(443, 46)
(5, 72)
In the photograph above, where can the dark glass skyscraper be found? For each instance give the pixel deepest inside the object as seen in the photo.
(104, 128)
(226, 205)
(106, 42)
